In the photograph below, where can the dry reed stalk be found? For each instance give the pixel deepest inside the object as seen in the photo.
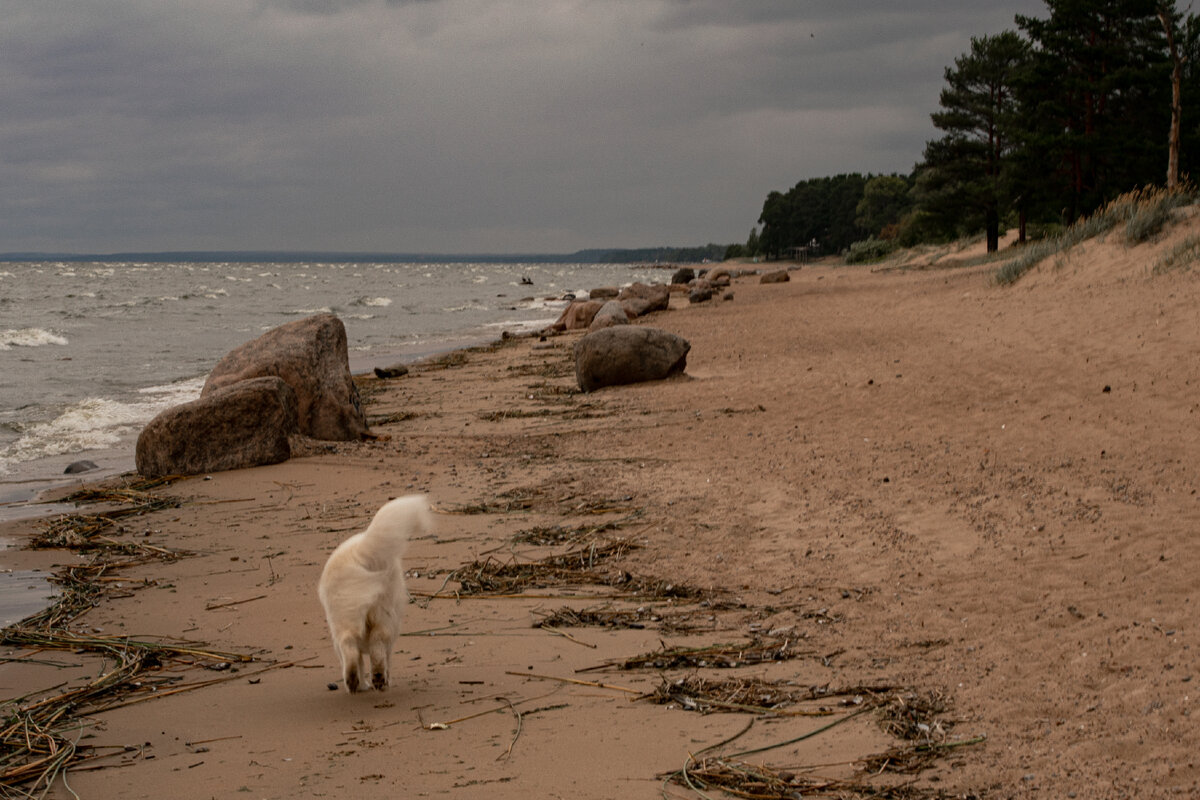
(571, 568)
(37, 734)
(721, 656)
(754, 695)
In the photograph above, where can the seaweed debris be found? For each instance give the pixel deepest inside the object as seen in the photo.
(577, 566)
(558, 534)
(677, 620)
(39, 737)
(695, 693)
(761, 782)
(82, 531)
(719, 656)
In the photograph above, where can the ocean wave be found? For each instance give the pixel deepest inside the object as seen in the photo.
(522, 326)
(541, 303)
(29, 337)
(470, 305)
(307, 312)
(96, 423)
(374, 302)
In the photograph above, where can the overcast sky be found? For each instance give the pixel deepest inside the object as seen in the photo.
(452, 125)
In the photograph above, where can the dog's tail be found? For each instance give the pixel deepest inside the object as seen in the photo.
(395, 523)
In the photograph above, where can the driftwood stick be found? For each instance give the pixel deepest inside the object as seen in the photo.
(234, 603)
(575, 681)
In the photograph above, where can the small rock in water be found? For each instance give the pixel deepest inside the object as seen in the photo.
(80, 466)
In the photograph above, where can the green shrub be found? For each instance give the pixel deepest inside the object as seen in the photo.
(870, 249)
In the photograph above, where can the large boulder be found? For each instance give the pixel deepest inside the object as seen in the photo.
(603, 293)
(242, 425)
(628, 354)
(611, 313)
(775, 276)
(683, 275)
(719, 276)
(577, 316)
(643, 298)
(310, 356)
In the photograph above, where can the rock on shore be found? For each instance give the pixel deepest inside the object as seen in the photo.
(246, 424)
(310, 355)
(628, 354)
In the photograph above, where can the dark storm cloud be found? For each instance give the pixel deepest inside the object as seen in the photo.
(451, 124)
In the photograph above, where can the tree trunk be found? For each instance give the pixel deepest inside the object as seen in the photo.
(1176, 103)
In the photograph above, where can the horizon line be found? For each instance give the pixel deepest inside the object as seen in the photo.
(586, 254)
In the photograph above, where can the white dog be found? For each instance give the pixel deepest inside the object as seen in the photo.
(362, 590)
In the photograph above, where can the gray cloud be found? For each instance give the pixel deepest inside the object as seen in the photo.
(451, 124)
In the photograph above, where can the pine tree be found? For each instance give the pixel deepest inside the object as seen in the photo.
(967, 169)
(1098, 101)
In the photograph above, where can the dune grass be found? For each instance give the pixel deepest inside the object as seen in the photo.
(1143, 213)
(1180, 257)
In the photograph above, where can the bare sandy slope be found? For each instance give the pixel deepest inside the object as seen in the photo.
(907, 478)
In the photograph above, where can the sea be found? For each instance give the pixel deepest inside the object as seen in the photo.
(90, 351)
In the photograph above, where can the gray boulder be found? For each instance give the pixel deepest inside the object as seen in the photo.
(611, 313)
(628, 354)
(577, 316)
(394, 371)
(777, 276)
(636, 306)
(683, 275)
(701, 291)
(650, 297)
(242, 425)
(310, 356)
(719, 276)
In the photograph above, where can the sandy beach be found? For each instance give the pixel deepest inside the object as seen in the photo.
(936, 518)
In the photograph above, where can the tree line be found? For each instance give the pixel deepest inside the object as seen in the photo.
(1037, 127)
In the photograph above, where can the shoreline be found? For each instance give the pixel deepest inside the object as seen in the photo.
(908, 480)
(21, 498)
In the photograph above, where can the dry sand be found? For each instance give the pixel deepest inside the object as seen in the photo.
(916, 478)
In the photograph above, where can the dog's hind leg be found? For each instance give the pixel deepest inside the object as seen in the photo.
(351, 656)
(379, 649)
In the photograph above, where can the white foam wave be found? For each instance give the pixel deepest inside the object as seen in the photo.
(374, 302)
(29, 337)
(542, 303)
(306, 312)
(468, 306)
(524, 325)
(96, 423)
